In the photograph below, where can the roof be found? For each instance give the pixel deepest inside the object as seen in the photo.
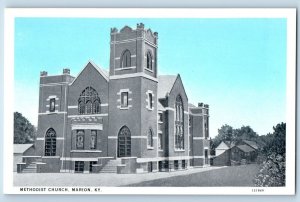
(245, 148)
(165, 85)
(228, 143)
(21, 148)
(251, 143)
(191, 105)
(160, 107)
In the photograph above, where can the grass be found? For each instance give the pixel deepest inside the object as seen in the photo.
(235, 176)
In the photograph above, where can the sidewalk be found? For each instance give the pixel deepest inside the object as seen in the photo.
(103, 179)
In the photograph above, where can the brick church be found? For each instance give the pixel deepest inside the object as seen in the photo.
(127, 120)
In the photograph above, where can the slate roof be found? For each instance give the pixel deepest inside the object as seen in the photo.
(228, 143)
(251, 144)
(191, 105)
(165, 85)
(21, 148)
(245, 148)
(160, 106)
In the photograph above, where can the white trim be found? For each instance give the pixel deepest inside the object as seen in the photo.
(86, 151)
(42, 138)
(198, 157)
(198, 138)
(117, 58)
(87, 115)
(169, 109)
(54, 84)
(78, 159)
(139, 137)
(73, 107)
(112, 137)
(48, 113)
(185, 112)
(148, 69)
(138, 74)
(87, 126)
(125, 68)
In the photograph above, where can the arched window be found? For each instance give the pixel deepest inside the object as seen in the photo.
(124, 142)
(89, 102)
(50, 142)
(126, 59)
(150, 138)
(149, 60)
(179, 124)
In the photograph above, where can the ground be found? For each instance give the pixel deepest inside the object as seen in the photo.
(210, 176)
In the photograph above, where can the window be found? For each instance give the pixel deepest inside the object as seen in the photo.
(150, 139)
(79, 166)
(126, 59)
(160, 117)
(80, 139)
(176, 165)
(149, 60)
(52, 105)
(50, 142)
(183, 164)
(179, 124)
(91, 165)
(93, 142)
(124, 142)
(124, 99)
(150, 167)
(206, 128)
(150, 100)
(160, 141)
(89, 102)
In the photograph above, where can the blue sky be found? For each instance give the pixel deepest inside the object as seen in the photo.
(237, 66)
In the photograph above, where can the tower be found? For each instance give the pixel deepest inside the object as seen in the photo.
(133, 93)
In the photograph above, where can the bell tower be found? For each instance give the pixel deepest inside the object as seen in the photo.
(133, 92)
(133, 51)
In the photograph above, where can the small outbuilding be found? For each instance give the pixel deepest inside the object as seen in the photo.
(21, 150)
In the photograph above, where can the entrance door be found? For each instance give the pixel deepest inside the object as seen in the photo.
(124, 142)
(206, 156)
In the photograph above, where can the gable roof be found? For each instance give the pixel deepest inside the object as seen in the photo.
(245, 148)
(21, 148)
(251, 143)
(191, 105)
(228, 143)
(165, 85)
(101, 71)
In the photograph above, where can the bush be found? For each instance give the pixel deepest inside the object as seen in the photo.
(272, 172)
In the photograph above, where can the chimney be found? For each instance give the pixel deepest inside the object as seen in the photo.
(44, 73)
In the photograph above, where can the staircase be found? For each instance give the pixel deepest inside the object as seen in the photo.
(111, 166)
(32, 167)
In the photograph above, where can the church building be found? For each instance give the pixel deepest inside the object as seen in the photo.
(127, 120)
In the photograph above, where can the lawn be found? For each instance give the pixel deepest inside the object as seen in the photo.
(235, 176)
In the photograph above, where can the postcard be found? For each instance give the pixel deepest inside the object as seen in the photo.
(150, 101)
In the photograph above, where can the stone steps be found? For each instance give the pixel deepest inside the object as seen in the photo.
(111, 166)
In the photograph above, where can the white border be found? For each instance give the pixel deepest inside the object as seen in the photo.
(289, 14)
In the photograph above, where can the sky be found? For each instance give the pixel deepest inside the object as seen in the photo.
(237, 66)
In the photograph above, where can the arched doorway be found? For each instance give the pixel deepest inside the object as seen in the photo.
(50, 142)
(124, 142)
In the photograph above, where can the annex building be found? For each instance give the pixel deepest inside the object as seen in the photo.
(127, 120)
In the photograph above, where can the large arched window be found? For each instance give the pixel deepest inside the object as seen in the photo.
(150, 138)
(179, 124)
(89, 102)
(149, 60)
(124, 142)
(50, 142)
(126, 59)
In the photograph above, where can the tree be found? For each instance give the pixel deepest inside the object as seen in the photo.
(246, 133)
(24, 131)
(272, 172)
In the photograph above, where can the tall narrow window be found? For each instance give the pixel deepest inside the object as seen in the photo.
(50, 142)
(126, 59)
(93, 139)
(80, 139)
(150, 100)
(89, 102)
(150, 139)
(206, 128)
(160, 141)
(124, 99)
(149, 60)
(52, 105)
(179, 124)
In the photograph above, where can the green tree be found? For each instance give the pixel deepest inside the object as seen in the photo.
(246, 133)
(272, 171)
(24, 131)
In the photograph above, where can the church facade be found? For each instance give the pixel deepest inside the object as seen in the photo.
(127, 120)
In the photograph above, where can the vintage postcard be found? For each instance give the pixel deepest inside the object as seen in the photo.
(150, 101)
